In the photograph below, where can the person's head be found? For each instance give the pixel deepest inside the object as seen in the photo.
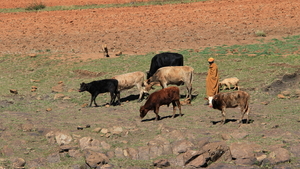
(211, 60)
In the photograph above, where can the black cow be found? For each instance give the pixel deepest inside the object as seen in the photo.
(164, 59)
(101, 86)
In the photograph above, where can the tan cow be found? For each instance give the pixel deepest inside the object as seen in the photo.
(176, 75)
(230, 81)
(234, 99)
(129, 80)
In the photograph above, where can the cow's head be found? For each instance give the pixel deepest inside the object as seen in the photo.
(83, 87)
(143, 112)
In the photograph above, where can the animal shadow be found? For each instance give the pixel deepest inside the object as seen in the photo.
(232, 120)
(129, 98)
(161, 118)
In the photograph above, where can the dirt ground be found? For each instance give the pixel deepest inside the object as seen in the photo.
(138, 30)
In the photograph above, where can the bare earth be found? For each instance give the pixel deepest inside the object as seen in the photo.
(138, 30)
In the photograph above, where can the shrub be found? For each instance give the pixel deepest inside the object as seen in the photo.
(260, 33)
(35, 6)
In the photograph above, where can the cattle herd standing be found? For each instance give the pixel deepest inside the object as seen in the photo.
(165, 69)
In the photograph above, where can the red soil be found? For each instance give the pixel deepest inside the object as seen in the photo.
(138, 30)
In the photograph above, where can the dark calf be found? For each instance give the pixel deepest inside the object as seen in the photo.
(101, 86)
(235, 99)
(162, 97)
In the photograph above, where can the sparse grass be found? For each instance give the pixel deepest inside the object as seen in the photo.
(42, 7)
(255, 72)
(35, 6)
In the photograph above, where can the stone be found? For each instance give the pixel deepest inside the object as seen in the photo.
(19, 163)
(53, 158)
(279, 155)
(62, 138)
(89, 143)
(181, 146)
(59, 96)
(161, 163)
(95, 159)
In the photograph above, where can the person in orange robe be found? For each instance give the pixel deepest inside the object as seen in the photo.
(212, 81)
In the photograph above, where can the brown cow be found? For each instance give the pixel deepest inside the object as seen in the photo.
(234, 99)
(129, 80)
(177, 75)
(162, 97)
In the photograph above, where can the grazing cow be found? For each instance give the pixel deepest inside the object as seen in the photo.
(101, 86)
(230, 81)
(162, 97)
(177, 75)
(164, 59)
(129, 80)
(234, 99)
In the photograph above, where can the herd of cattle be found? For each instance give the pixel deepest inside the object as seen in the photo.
(166, 69)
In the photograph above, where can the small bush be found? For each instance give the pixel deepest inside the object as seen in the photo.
(260, 33)
(36, 6)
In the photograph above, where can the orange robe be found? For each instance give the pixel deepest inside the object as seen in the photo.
(212, 80)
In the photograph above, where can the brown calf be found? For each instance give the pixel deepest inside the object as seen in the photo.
(234, 99)
(162, 97)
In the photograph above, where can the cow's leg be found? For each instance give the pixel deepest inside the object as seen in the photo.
(244, 111)
(118, 97)
(156, 111)
(139, 86)
(174, 108)
(189, 91)
(94, 100)
(223, 116)
(179, 106)
(112, 97)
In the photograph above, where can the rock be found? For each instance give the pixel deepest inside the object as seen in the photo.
(279, 155)
(181, 146)
(280, 96)
(286, 93)
(132, 153)
(37, 163)
(117, 130)
(89, 143)
(19, 163)
(48, 109)
(58, 96)
(105, 145)
(119, 152)
(13, 91)
(97, 130)
(27, 127)
(62, 138)
(53, 158)
(295, 150)
(155, 151)
(244, 150)
(143, 153)
(95, 159)
(218, 150)
(58, 88)
(104, 131)
(75, 153)
(198, 162)
(161, 163)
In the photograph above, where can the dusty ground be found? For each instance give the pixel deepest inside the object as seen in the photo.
(138, 30)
